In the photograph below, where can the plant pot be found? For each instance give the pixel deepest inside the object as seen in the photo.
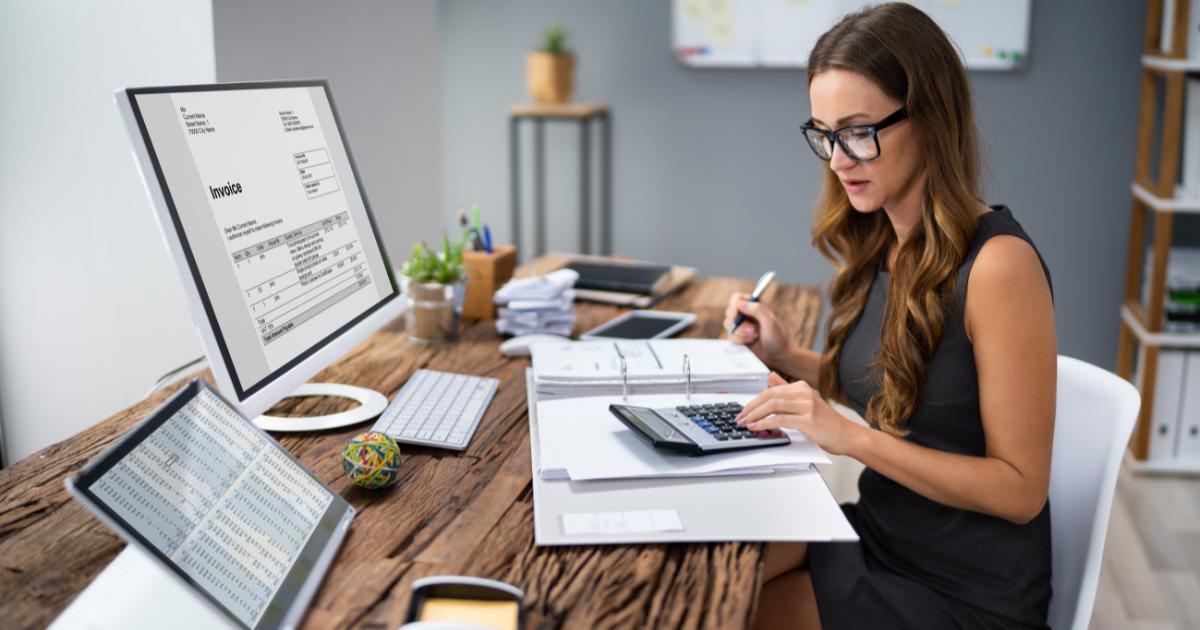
(432, 309)
(550, 77)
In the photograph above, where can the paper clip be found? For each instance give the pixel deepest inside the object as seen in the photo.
(624, 380)
(687, 374)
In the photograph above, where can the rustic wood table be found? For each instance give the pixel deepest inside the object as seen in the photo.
(464, 513)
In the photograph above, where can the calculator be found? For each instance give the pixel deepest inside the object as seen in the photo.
(696, 429)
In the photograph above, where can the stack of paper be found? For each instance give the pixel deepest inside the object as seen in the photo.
(580, 440)
(538, 305)
(656, 366)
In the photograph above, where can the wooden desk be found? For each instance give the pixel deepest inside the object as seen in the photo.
(468, 513)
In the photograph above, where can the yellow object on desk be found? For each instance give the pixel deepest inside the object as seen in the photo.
(486, 273)
(498, 614)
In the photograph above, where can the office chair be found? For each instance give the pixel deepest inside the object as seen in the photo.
(1096, 411)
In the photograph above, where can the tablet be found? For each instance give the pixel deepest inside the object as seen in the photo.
(221, 505)
(642, 325)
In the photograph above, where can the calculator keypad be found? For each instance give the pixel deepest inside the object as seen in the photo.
(717, 420)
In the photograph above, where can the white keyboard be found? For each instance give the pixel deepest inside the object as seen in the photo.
(437, 409)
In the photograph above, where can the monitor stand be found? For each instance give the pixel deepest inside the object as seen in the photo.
(371, 404)
(135, 592)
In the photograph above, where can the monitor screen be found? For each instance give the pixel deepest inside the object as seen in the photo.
(271, 215)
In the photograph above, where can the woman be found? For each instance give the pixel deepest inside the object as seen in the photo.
(941, 336)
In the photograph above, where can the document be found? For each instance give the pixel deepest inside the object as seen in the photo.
(579, 439)
(655, 366)
(272, 214)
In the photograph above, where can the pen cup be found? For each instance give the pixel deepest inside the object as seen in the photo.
(486, 273)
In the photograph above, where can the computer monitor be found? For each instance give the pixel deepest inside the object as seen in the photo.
(264, 213)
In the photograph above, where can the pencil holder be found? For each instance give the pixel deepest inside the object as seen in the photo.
(486, 273)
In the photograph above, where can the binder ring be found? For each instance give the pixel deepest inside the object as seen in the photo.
(624, 380)
(687, 373)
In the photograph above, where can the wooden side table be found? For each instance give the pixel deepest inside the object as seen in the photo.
(584, 114)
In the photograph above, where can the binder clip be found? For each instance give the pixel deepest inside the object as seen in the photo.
(687, 375)
(624, 380)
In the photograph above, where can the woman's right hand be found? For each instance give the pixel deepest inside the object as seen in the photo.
(760, 331)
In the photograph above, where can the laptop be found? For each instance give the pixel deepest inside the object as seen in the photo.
(221, 506)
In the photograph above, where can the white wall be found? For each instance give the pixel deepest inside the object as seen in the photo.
(91, 309)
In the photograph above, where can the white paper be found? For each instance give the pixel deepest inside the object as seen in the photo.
(581, 438)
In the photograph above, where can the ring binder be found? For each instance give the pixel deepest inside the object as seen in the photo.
(624, 380)
(633, 368)
(687, 372)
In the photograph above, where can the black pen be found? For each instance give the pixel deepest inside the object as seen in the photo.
(759, 289)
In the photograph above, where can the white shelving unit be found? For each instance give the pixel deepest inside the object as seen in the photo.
(1168, 61)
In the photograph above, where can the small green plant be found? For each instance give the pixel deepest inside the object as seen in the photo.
(445, 267)
(555, 41)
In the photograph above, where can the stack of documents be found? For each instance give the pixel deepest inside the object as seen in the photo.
(579, 439)
(656, 366)
(538, 305)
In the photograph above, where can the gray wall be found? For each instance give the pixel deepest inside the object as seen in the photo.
(710, 171)
(381, 60)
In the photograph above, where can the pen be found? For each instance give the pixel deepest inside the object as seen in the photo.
(763, 283)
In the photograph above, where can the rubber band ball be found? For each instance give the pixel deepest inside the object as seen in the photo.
(372, 460)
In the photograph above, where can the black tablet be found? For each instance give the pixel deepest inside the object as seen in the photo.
(642, 325)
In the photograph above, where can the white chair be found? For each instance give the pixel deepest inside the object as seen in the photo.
(1094, 419)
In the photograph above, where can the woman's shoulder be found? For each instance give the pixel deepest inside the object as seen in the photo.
(1003, 254)
(1006, 278)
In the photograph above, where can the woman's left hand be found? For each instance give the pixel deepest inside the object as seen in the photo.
(798, 406)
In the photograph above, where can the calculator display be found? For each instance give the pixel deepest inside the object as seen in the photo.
(651, 420)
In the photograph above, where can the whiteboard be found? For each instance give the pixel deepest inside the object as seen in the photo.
(992, 34)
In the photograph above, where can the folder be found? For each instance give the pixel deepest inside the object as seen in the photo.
(1188, 449)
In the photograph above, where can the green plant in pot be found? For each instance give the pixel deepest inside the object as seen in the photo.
(434, 286)
(550, 71)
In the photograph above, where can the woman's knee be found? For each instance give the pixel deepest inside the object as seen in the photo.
(781, 557)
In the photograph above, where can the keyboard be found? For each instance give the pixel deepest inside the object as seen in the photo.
(437, 409)
(696, 429)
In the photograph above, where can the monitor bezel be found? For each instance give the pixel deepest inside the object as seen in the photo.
(260, 395)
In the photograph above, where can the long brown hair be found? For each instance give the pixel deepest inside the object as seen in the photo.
(909, 57)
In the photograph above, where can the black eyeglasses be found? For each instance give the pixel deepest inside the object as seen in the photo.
(859, 142)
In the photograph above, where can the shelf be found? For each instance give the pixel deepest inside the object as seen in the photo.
(1175, 467)
(1170, 64)
(1181, 205)
(1145, 337)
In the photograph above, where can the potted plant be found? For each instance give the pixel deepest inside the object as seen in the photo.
(550, 71)
(434, 286)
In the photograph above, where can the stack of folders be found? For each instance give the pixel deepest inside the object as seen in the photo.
(538, 305)
(579, 439)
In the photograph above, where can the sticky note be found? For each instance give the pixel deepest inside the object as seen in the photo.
(498, 614)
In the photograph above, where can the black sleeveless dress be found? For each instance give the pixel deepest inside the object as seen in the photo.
(919, 563)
